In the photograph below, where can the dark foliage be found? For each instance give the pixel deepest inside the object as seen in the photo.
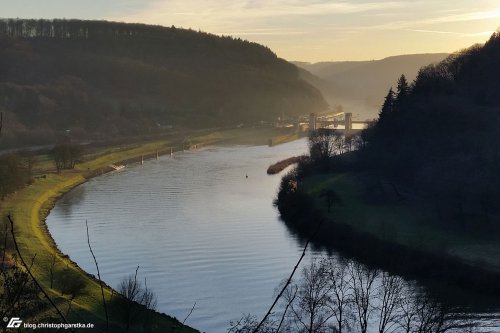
(102, 79)
(15, 172)
(439, 136)
(19, 296)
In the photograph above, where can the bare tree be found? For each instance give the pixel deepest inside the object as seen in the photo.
(135, 299)
(289, 296)
(339, 144)
(249, 324)
(51, 266)
(289, 280)
(390, 295)
(362, 283)
(407, 310)
(66, 155)
(149, 301)
(333, 296)
(71, 284)
(341, 293)
(311, 307)
(322, 144)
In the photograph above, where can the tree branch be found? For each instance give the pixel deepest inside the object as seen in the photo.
(286, 310)
(289, 279)
(99, 276)
(194, 305)
(31, 275)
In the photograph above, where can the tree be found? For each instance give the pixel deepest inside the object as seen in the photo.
(331, 197)
(311, 307)
(248, 324)
(66, 155)
(14, 173)
(71, 284)
(341, 293)
(51, 268)
(324, 144)
(18, 293)
(362, 285)
(403, 89)
(333, 296)
(387, 108)
(134, 300)
(390, 294)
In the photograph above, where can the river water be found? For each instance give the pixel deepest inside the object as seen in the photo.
(197, 227)
(200, 230)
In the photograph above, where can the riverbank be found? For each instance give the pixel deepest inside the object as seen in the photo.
(30, 206)
(397, 236)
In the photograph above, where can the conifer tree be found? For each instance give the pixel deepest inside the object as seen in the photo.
(388, 106)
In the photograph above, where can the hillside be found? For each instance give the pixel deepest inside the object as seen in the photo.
(359, 86)
(423, 185)
(100, 79)
(439, 136)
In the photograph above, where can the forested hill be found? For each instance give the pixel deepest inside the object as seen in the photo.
(440, 135)
(98, 79)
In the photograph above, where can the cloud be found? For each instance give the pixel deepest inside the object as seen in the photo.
(294, 26)
(466, 17)
(217, 13)
(462, 34)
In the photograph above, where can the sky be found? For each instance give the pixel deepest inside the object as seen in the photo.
(300, 30)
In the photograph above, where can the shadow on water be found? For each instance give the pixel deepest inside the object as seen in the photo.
(451, 283)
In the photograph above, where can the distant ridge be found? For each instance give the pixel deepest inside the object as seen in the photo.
(360, 86)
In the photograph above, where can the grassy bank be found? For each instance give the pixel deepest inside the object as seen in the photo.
(397, 236)
(409, 224)
(30, 206)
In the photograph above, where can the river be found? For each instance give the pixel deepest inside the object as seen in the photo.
(201, 226)
(199, 229)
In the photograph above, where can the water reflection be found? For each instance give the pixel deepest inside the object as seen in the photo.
(200, 230)
(66, 203)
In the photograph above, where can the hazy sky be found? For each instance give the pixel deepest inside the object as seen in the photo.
(306, 30)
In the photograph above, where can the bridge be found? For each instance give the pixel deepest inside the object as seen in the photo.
(341, 121)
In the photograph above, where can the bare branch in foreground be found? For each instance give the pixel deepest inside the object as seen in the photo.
(99, 276)
(194, 305)
(31, 275)
(289, 279)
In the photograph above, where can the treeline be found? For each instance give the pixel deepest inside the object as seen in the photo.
(97, 79)
(336, 296)
(62, 28)
(152, 39)
(438, 137)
